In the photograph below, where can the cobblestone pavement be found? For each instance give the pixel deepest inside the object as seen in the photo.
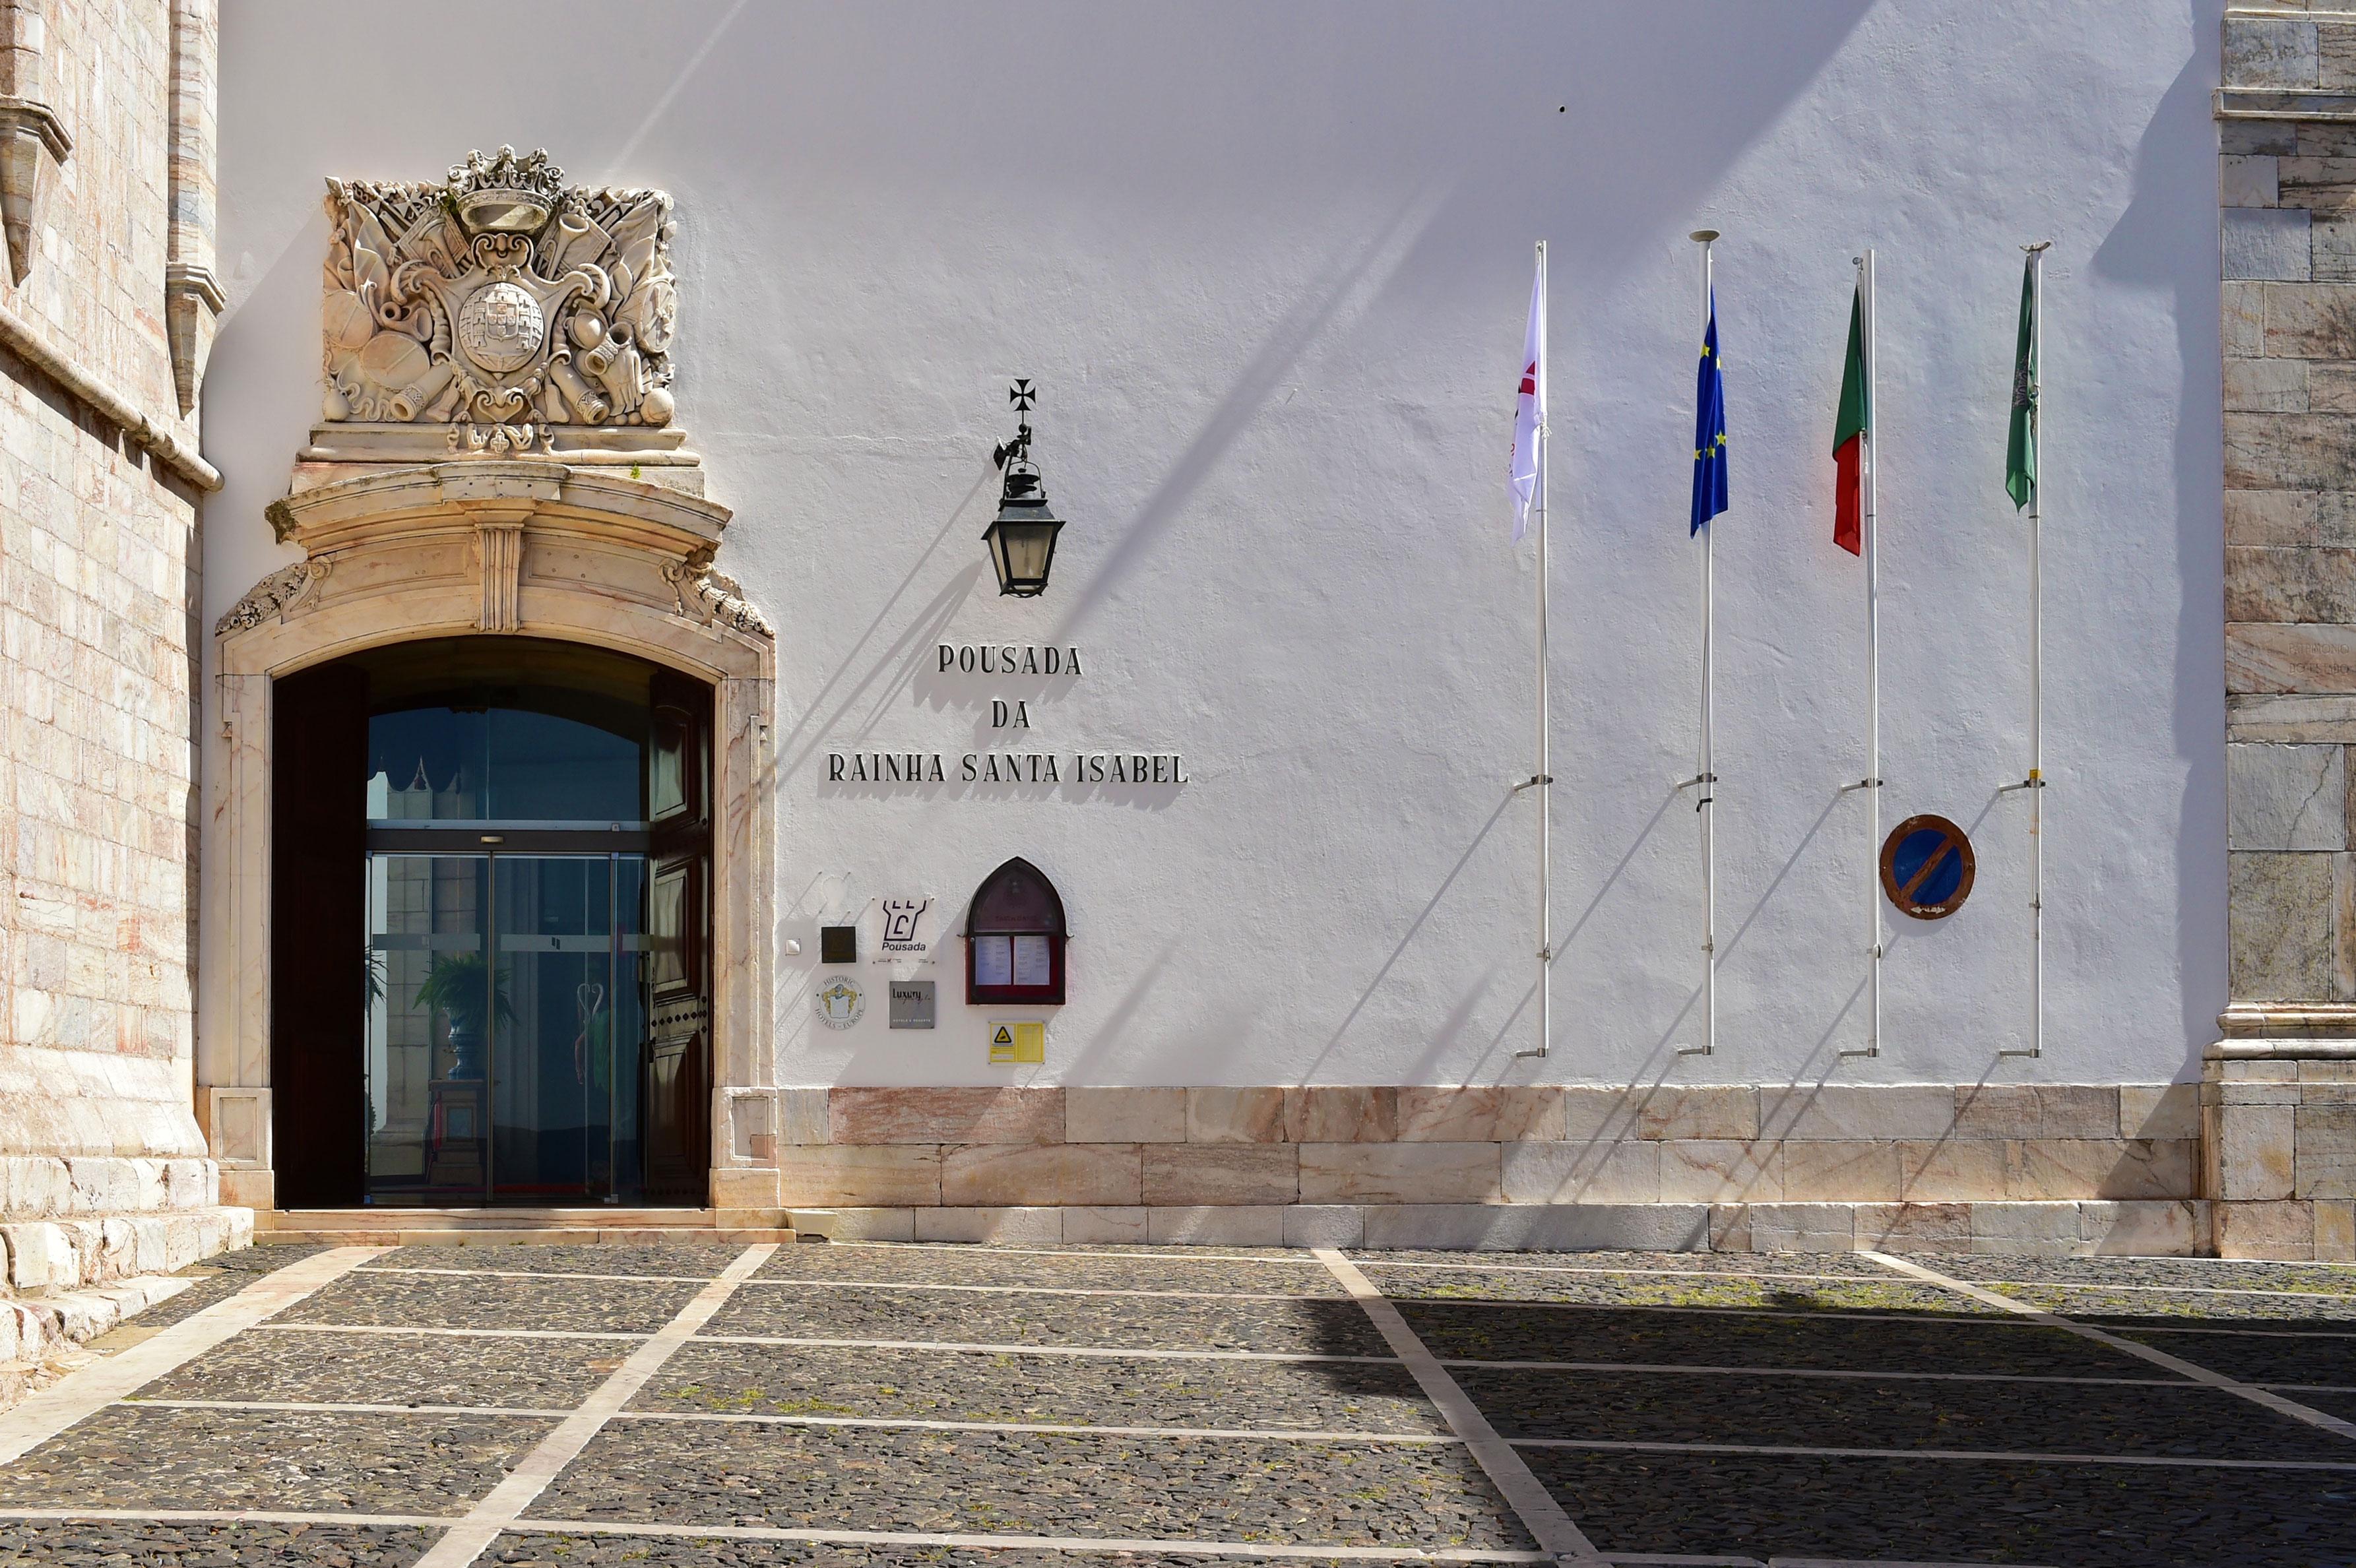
(892, 1406)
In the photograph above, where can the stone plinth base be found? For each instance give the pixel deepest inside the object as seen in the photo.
(2278, 1148)
(1326, 1146)
(2177, 1228)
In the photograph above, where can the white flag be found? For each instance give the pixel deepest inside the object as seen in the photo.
(1529, 412)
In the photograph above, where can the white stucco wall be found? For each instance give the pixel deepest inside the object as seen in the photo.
(1269, 266)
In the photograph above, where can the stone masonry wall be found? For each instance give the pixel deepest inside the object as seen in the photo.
(103, 1172)
(2278, 1116)
(96, 287)
(96, 840)
(2289, 193)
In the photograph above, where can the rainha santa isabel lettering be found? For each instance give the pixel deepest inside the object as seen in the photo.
(1007, 767)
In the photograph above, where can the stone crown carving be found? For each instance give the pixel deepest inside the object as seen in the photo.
(498, 305)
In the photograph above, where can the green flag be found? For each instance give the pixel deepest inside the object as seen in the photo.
(2020, 450)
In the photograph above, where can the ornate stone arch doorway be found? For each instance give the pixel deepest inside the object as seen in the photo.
(496, 457)
(482, 549)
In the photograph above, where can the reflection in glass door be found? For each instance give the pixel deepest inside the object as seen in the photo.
(428, 1028)
(558, 1104)
(506, 1029)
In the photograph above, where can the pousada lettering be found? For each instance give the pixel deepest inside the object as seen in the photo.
(1007, 658)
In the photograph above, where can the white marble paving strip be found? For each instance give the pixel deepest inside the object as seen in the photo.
(980, 1347)
(1149, 1545)
(2218, 1380)
(1060, 1429)
(1670, 1368)
(1600, 1268)
(447, 1333)
(1982, 1320)
(227, 1516)
(757, 1418)
(1663, 1274)
(539, 1273)
(1701, 1370)
(2090, 1286)
(344, 1407)
(1077, 1545)
(970, 1347)
(2244, 1333)
(43, 1414)
(1856, 1562)
(969, 1249)
(1540, 1514)
(1117, 1353)
(470, 1536)
(1998, 1456)
(858, 1284)
(1026, 1290)
(1074, 1544)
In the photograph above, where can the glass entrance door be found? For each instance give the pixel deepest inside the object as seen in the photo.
(507, 1028)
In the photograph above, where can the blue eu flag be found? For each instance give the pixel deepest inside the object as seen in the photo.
(1709, 429)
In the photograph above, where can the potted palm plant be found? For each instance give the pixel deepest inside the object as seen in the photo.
(462, 987)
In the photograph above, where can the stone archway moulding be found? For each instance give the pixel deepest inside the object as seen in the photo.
(532, 546)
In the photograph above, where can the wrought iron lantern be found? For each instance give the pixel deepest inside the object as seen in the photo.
(1022, 539)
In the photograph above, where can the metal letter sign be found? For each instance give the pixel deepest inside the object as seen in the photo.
(1927, 867)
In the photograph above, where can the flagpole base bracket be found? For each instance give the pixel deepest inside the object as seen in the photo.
(1533, 782)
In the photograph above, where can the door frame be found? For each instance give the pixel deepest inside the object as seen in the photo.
(537, 548)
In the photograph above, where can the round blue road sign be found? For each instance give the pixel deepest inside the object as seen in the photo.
(1927, 867)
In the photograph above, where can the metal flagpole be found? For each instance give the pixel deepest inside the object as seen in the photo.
(2035, 783)
(2037, 658)
(1545, 774)
(1872, 664)
(1704, 771)
(1542, 779)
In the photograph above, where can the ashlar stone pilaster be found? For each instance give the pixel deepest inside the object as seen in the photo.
(2278, 1138)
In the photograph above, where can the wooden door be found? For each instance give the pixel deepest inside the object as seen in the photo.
(676, 1103)
(318, 929)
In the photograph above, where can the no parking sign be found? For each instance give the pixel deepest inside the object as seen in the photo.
(1927, 867)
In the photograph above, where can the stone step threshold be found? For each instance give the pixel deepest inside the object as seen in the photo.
(42, 1335)
(2146, 1228)
(530, 1227)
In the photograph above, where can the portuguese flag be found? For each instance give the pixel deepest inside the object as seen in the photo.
(1851, 430)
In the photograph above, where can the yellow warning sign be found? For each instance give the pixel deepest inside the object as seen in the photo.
(1013, 1044)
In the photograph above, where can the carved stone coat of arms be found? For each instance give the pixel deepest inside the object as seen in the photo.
(498, 304)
